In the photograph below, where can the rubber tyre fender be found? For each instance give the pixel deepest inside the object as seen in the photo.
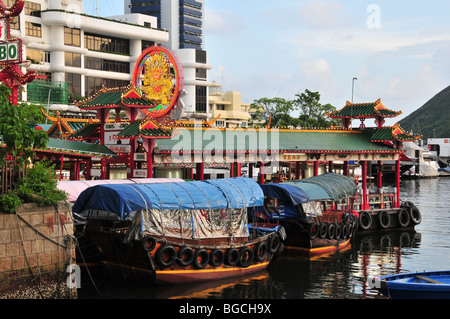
(384, 219)
(338, 233)
(403, 218)
(148, 243)
(216, 257)
(246, 257)
(185, 251)
(232, 257)
(274, 243)
(416, 217)
(323, 230)
(201, 258)
(160, 256)
(313, 230)
(365, 220)
(261, 251)
(331, 231)
(345, 229)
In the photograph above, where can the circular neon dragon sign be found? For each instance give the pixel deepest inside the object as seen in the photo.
(158, 77)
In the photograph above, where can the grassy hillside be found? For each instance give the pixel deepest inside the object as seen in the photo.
(432, 119)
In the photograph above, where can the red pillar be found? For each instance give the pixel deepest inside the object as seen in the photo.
(87, 174)
(232, 170)
(250, 170)
(346, 168)
(297, 170)
(150, 158)
(238, 169)
(365, 204)
(200, 176)
(316, 168)
(330, 167)
(397, 183)
(261, 174)
(380, 174)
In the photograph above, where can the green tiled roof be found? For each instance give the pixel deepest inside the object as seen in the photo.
(386, 134)
(84, 132)
(78, 148)
(112, 99)
(133, 130)
(282, 140)
(362, 110)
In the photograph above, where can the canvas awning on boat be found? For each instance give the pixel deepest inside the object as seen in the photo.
(75, 188)
(329, 186)
(122, 199)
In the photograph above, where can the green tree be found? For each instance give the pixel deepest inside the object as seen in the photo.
(276, 111)
(312, 113)
(16, 130)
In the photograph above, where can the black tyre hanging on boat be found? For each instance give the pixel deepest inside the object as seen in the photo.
(261, 251)
(201, 259)
(216, 257)
(148, 243)
(365, 220)
(274, 243)
(384, 219)
(185, 256)
(403, 218)
(313, 230)
(245, 257)
(331, 231)
(232, 257)
(166, 256)
(416, 217)
(338, 232)
(323, 230)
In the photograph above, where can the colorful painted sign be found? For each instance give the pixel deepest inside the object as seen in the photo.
(158, 76)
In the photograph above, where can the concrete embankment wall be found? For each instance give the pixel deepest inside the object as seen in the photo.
(36, 246)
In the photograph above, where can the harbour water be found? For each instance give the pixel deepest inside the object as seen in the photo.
(340, 275)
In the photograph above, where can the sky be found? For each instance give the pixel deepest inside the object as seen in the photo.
(398, 50)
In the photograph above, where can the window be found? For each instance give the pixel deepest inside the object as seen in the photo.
(106, 44)
(74, 81)
(72, 59)
(33, 29)
(93, 84)
(106, 65)
(220, 107)
(200, 99)
(32, 9)
(37, 56)
(72, 37)
(200, 56)
(200, 74)
(220, 123)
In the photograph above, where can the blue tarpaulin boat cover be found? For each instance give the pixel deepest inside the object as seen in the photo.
(328, 186)
(122, 199)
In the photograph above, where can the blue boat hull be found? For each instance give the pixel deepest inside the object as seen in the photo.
(419, 285)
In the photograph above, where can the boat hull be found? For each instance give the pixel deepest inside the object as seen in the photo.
(164, 263)
(420, 285)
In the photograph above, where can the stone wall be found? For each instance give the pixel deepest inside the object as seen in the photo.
(36, 246)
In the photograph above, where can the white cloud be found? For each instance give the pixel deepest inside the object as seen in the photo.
(323, 14)
(222, 22)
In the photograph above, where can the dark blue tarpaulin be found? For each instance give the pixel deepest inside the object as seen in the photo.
(288, 193)
(122, 199)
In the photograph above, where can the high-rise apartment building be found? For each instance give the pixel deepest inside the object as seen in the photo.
(184, 19)
(79, 51)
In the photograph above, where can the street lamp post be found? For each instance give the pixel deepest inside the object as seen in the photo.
(353, 87)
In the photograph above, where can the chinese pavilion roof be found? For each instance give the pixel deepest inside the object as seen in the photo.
(112, 98)
(364, 110)
(254, 140)
(392, 133)
(68, 127)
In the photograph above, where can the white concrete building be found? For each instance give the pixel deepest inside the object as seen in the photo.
(184, 19)
(87, 52)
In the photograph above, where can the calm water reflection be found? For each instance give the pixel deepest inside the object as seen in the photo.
(338, 276)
